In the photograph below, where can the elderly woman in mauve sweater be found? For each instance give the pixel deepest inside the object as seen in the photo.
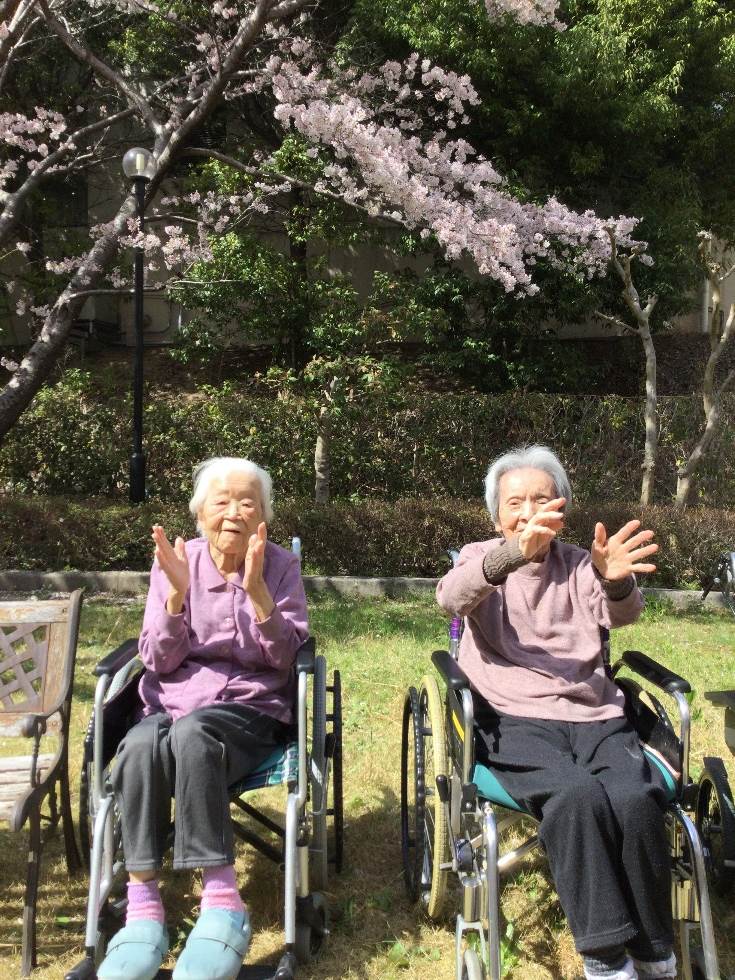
(552, 724)
(225, 615)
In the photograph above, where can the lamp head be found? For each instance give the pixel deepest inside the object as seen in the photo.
(138, 162)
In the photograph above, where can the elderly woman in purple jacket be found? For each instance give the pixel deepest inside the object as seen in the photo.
(225, 615)
(552, 723)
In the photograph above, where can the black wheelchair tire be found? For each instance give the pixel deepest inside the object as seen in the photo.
(472, 968)
(715, 820)
(336, 810)
(85, 797)
(310, 940)
(318, 853)
(413, 845)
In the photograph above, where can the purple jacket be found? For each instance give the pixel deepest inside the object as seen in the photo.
(531, 645)
(215, 651)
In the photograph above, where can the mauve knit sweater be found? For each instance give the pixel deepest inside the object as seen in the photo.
(531, 644)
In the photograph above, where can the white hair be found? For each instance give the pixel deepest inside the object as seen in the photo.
(219, 468)
(533, 457)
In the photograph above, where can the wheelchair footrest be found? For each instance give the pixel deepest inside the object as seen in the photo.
(246, 973)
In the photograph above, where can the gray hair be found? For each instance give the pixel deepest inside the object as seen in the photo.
(533, 457)
(219, 468)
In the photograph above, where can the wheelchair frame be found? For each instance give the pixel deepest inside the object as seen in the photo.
(304, 833)
(470, 848)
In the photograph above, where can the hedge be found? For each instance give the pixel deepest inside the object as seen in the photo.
(75, 439)
(408, 536)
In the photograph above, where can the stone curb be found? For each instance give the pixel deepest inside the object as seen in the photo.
(136, 583)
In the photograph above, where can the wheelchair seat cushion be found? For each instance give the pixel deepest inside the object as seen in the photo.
(280, 767)
(490, 788)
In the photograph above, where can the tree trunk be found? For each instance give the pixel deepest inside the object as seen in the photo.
(650, 416)
(321, 458)
(38, 363)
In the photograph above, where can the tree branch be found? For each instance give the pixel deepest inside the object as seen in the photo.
(135, 99)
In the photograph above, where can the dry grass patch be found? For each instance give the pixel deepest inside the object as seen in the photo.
(380, 646)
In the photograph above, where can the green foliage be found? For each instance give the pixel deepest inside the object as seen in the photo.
(630, 110)
(392, 437)
(408, 536)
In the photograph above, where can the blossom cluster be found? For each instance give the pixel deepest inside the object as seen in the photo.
(440, 185)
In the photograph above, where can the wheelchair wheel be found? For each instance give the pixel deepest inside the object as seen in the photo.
(335, 808)
(424, 834)
(413, 796)
(472, 968)
(310, 936)
(318, 854)
(715, 820)
(436, 833)
(86, 814)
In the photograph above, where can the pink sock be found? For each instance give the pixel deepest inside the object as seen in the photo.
(220, 889)
(144, 902)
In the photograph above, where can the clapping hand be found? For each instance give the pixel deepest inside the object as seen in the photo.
(252, 579)
(542, 528)
(620, 555)
(174, 565)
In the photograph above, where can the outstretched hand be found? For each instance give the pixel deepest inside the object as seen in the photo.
(173, 561)
(620, 555)
(542, 528)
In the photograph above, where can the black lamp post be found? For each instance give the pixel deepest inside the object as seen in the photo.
(138, 166)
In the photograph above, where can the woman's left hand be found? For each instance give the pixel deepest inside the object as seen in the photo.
(252, 580)
(620, 555)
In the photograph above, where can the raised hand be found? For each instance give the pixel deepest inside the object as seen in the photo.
(252, 579)
(542, 528)
(174, 565)
(620, 555)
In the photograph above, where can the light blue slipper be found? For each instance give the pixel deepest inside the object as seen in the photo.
(215, 948)
(135, 952)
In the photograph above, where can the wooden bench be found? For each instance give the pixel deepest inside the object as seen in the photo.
(38, 642)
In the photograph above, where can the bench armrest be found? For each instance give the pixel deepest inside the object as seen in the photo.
(306, 656)
(119, 657)
(454, 677)
(653, 672)
(721, 699)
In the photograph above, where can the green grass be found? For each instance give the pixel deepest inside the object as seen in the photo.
(381, 647)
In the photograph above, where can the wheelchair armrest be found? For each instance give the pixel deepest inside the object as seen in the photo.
(666, 679)
(721, 699)
(306, 656)
(454, 677)
(117, 659)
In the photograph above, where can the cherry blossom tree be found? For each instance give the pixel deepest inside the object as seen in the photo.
(387, 141)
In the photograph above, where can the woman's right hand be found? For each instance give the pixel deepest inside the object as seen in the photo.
(542, 527)
(174, 565)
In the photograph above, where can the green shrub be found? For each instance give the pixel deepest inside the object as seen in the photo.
(409, 536)
(75, 438)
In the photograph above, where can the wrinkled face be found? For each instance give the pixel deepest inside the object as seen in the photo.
(231, 512)
(521, 494)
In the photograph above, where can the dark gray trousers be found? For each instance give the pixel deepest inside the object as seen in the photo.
(192, 760)
(600, 808)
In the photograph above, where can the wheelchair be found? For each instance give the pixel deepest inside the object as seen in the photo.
(715, 809)
(454, 812)
(310, 839)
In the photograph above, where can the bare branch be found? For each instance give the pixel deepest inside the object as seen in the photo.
(135, 99)
(615, 322)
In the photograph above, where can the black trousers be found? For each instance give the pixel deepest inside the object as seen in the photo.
(600, 808)
(192, 760)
